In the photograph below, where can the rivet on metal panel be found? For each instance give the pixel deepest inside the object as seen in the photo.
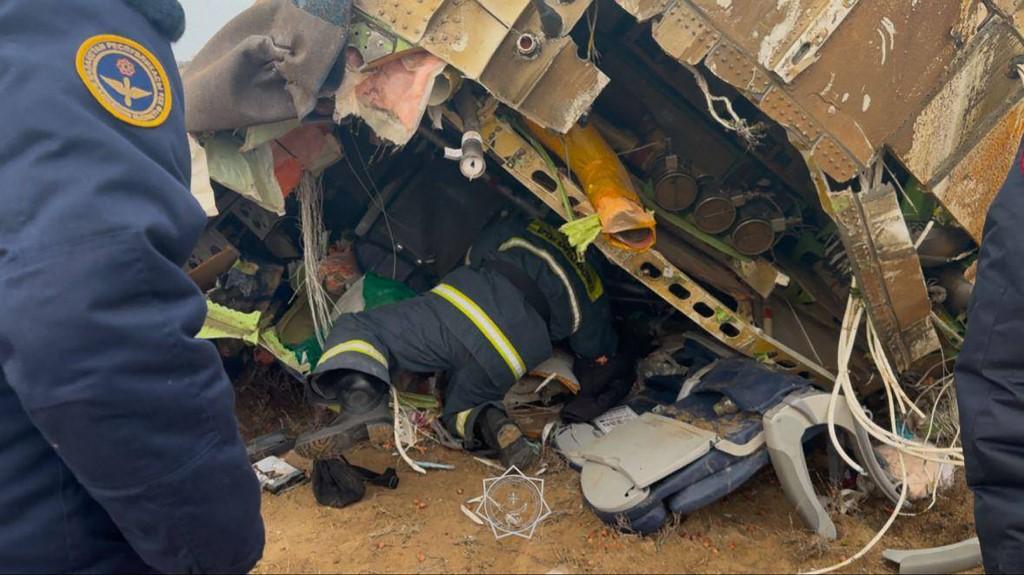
(684, 35)
(778, 105)
(838, 164)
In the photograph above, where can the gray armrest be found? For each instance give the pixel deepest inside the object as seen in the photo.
(949, 559)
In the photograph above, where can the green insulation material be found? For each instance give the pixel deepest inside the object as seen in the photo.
(379, 291)
(582, 232)
(225, 323)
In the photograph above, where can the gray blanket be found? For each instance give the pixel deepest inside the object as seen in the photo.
(271, 63)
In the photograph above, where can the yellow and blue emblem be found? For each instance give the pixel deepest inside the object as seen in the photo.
(126, 79)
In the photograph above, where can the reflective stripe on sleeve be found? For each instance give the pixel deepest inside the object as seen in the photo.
(460, 422)
(555, 269)
(486, 325)
(356, 346)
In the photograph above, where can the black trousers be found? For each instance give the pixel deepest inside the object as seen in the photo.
(413, 337)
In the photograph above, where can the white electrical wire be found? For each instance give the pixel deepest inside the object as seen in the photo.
(803, 330)
(314, 249)
(881, 532)
(924, 235)
(377, 200)
(851, 319)
(396, 411)
(895, 397)
(882, 361)
(891, 438)
(751, 134)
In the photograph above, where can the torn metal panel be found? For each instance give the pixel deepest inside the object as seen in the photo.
(644, 10)
(855, 68)
(926, 80)
(651, 268)
(514, 78)
(690, 37)
(775, 32)
(1008, 7)
(375, 42)
(888, 272)
(784, 37)
(782, 108)
(408, 19)
(864, 64)
(509, 11)
(805, 50)
(1012, 10)
(684, 34)
(565, 93)
(466, 35)
(501, 44)
(977, 95)
(881, 66)
(969, 188)
(731, 65)
(836, 161)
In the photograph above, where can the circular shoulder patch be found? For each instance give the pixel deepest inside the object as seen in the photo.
(126, 79)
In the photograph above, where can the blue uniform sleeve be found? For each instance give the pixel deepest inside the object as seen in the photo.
(596, 337)
(490, 239)
(97, 318)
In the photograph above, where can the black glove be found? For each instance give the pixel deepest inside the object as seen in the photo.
(602, 386)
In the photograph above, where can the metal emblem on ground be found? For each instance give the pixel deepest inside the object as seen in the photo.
(513, 504)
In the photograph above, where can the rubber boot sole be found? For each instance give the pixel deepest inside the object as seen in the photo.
(332, 441)
(514, 449)
(334, 445)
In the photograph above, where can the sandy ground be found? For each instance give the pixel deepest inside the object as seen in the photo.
(419, 528)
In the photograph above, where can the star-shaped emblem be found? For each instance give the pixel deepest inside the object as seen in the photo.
(513, 504)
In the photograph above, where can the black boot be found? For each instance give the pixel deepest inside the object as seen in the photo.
(502, 435)
(364, 413)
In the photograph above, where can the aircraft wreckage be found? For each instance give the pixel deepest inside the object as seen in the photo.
(755, 165)
(785, 148)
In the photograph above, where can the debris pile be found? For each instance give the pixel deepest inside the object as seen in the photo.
(736, 274)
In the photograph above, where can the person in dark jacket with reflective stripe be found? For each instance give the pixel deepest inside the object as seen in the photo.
(990, 382)
(487, 324)
(119, 448)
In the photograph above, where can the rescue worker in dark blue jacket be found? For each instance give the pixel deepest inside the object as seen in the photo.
(990, 382)
(487, 324)
(119, 449)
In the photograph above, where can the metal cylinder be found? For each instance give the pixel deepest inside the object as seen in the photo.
(754, 233)
(714, 212)
(753, 237)
(675, 188)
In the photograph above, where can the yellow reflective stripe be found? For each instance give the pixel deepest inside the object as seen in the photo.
(460, 422)
(357, 346)
(486, 326)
